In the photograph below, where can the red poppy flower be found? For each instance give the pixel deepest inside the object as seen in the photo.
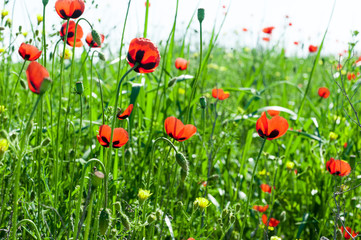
(312, 49)
(271, 128)
(268, 30)
(181, 63)
(273, 113)
(345, 145)
(71, 34)
(351, 76)
(177, 130)
(145, 53)
(266, 39)
(219, 94)
(260, 208)
(69, 8)
(346, 235)
(91, 43)
(120, 136)
(36, 73)
(266, 188)
(29, 52)
(272, 222)
(338, 167)
(244, 29)
(290, 24)
(190, 239)
(296, 43)
(126, 113)
(323, 92)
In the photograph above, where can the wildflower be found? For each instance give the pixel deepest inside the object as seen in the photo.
(338, 167)
(219, 94)
(181, 64)
(344, 146)
(346, 235)
(69, 8)
(126, 113)
(143, 52)
(323, 92)
(202, 202)
(268, 30)
(266, 39)
(333, 136)
(266, 188)
(290, 24)
(2, 50)
(4, 13)
(295, 43)
(190, 239)
(36, 74)
(244, 29)
(275, 238)
(90, 41)
(271, 128)
(290, 165)
(260, 208)
(177, 130)
(40, 18)
(312, 48)
(120, 136)
(263, 173)
(351, 76)
(4, 146)
(144, 194)
(273, 113)
(71, 34)
(29, 52)
(67, 54)
(272, 222)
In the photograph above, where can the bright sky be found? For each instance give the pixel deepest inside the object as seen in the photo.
(309, 20)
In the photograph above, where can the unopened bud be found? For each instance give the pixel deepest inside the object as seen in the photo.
(172, 82)
(203, 102)
(224, 213)
(200, 14)
(104, 221)
(237, 207)
(79, 87)
(125, 221)
(182, 161)
(45, 142)
(151, 218)
(184, 175)
(23, 84)
(45, 2)
(101, 56)
(97, 179)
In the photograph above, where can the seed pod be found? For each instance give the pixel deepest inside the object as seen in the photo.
(203, 102)
(79, 87)
(97, 179)
(182, 161)
(104, 221)
(200, 14)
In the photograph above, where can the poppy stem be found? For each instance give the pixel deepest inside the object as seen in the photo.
(146, 19)
(249, 194)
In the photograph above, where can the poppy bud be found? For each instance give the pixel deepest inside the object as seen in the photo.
(79, 87)
(203, 102)
(232, 218)
(224, 213)
(8, 22)
(200, 14)
(45, 85)
(97, 178)
(184, 175)
(151, 218)
(23, 84)
(159, 213)
(101, 56)
(96, 37)
(125, 221)
(172, 82)
(45, 142)
(182, 161)
(104, 221)
(237, 207)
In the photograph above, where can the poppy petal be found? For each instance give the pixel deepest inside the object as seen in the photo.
(126, 113)
(35, 74)
(120, 137)
(145, 53)
(277, 127)
(29, 52)
(188, 131)
(272, 222)
(262, 125)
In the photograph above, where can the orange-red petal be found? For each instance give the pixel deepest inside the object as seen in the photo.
(177, 130)
(181, 64)
(69, 8)
(219, 94)
(262, 125)
(323, 92)
(145, 53)
(277, 127)
(338, 167)
(260, 208)
(71, 34)
(29, 52)
(35, 73)
(120, 137)
(266, 188)
(91, 43)
(126, 113)
(272, 222)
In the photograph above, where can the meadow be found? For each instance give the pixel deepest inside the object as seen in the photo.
(208, 142)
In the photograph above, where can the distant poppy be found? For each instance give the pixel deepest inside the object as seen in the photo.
(145, 53)
(266, 39)
(29, 52)
(268, 30)
(273, 113)
(345, 145)
(271, 128)
(219, 94)
(91, 43)
(146, 4)
(296, 43)
(181, 64)
(260, 208)
(351, 76)
(71, 34)
(312, 48)
(346, 235)
(69, 8)
(126, 113)
(177, 130)
(266, 188)
(36, 73)
(120, 136)
(272, 222)
(190, 239)
(323, 92)
(244, 29)
(338, 167)
(339, 67)
(290, 24)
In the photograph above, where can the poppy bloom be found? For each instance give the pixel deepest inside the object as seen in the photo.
(290, 24)
(346, 235)
(120, 136)
(345, 145)
(323, 92)
(271, 128)
(177, 130)
(126, 113)
(71, 34)
(260, 208)
(351, 76)
(295, 43)
(266, 188)
(219, 94)
(145, 53)
(272, 222)
(266, 39)
(312, 49)
(273, 113)
(338, 167)
(90, 41)
(181, 63)
(29, 52)
(69, 8)
(244, 29)
(36, 73)
(268, 30)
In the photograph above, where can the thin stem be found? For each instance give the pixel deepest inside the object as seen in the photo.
(32, 224)
(146, 19)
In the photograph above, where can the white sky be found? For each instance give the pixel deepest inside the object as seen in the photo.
(309, 20)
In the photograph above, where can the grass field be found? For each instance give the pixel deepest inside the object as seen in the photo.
(229, 173)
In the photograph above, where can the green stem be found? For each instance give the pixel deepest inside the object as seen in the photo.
(89, 216)
(146, 19)
(38, 237)
(44, 38)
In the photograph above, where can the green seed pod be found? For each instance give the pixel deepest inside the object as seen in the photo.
(200, 14)
(104, 221)
(96, 37)
(45, 142)
(79, 87)
(182, 161)
(101, 56)
(151, 218)
(97, 179)
(203, 102)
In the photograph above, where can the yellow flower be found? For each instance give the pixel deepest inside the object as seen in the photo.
(4, 145)
(40, 18)
(4, 13)
(333, 136)
(181, 91)
(2, 50)
(275, 238)
(67, 54)
(144, 194)
(263, 173)
(290, 165)
(343, 72)
(25, 34)
(202, 202)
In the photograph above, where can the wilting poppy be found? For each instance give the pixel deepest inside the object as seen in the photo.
(351, 76)
(273, 113)
(69, 8)
(219, 94)
(181, 64)
(145, 53)
(346, 235)
(71, 34)
(177, 130)
(268, 30)
(295, 43)
(338, 167)
(36, 73)
(120, 136)
(126, 113)
(260, 208)
(266, 188)
(29, 52)
(266, 39)
(323, 92)
(272, 222)
(90, 41)
(312, 48)
(271, 128)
